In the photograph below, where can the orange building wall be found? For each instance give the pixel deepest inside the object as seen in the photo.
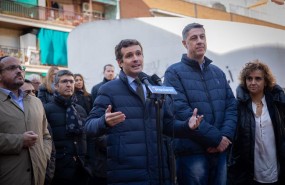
(134, 9)
(204, 12)
(174, 6)
(242, 19)
(141, 8)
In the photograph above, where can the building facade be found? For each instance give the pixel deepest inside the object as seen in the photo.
(36, 31)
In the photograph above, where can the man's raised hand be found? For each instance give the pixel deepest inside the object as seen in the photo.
(195, 120)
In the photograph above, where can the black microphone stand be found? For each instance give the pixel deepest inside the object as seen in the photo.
(170, 153)
(158, 102)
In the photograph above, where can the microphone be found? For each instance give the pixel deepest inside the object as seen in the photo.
(156, 89)
(144, 78)
(156, 79)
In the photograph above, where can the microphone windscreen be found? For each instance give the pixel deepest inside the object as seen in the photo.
(142, 76)
(156, 79)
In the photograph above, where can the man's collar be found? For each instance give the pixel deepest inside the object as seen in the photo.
(11, 93)
(130, 79)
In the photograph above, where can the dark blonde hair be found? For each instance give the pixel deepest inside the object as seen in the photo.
(49, 80)
(254, 65)
(85, 93)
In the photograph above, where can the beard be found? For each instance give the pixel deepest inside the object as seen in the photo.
(15, 84)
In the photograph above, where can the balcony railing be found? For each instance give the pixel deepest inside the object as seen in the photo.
(29, 58)
(57, 16)
(26, 56)
(11, 51)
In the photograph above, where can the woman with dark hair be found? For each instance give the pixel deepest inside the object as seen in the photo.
(258, 153)
(83, 98)
(46, 89)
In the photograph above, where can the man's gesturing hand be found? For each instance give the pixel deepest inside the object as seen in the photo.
(113, 118)
(195, 120)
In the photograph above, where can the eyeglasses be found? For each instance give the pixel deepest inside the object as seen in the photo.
(13, 68)
(36, 83)
(30, 92)
(65, 81)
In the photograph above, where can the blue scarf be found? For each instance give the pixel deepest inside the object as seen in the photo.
(74, 123)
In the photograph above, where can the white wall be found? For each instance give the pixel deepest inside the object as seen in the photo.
(10, 37)
(91, 45)
(42, 3)
(28, 40)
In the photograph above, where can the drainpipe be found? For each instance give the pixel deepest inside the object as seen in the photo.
(90, 11)
(118, 14)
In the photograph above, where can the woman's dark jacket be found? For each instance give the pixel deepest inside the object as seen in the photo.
(95, 88)
(64, 143)
(44, 95)
(98, 146)
(51, 162)
(85, 101)
(242, 169)
(132, 156)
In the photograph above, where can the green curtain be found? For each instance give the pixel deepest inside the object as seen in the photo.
(32, 2)
(53, 47)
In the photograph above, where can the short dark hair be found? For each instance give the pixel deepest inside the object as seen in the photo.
(61, 73)
(124, 44)
(3, 57)
(105, 66)
(188, 27)
(28, 81)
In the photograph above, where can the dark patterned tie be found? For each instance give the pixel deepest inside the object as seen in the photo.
(139, 89)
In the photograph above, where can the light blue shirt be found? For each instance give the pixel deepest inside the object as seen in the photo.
(134, 85)
(202, 65)
(17, 100)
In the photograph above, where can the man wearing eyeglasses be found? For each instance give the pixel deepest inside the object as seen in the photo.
(67, 121)
(36, 81)
(25, 142)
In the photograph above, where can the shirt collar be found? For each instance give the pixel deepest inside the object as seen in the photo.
(130, 79)
(10, 93)
(202, 65)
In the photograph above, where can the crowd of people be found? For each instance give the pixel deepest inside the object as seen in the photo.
(55, 132)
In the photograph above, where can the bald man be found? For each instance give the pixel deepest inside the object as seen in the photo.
(25, 142)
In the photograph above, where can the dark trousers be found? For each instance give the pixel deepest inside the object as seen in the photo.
(98, 181)
(258, 183)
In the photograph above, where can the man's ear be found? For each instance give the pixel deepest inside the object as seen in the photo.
(119, 63)
(56, 86)
(184, 43)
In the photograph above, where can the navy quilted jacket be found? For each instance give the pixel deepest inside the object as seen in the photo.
(209, 91)
(132, 156)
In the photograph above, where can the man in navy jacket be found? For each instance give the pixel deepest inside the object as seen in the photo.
(202, 85)
(129, 123)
